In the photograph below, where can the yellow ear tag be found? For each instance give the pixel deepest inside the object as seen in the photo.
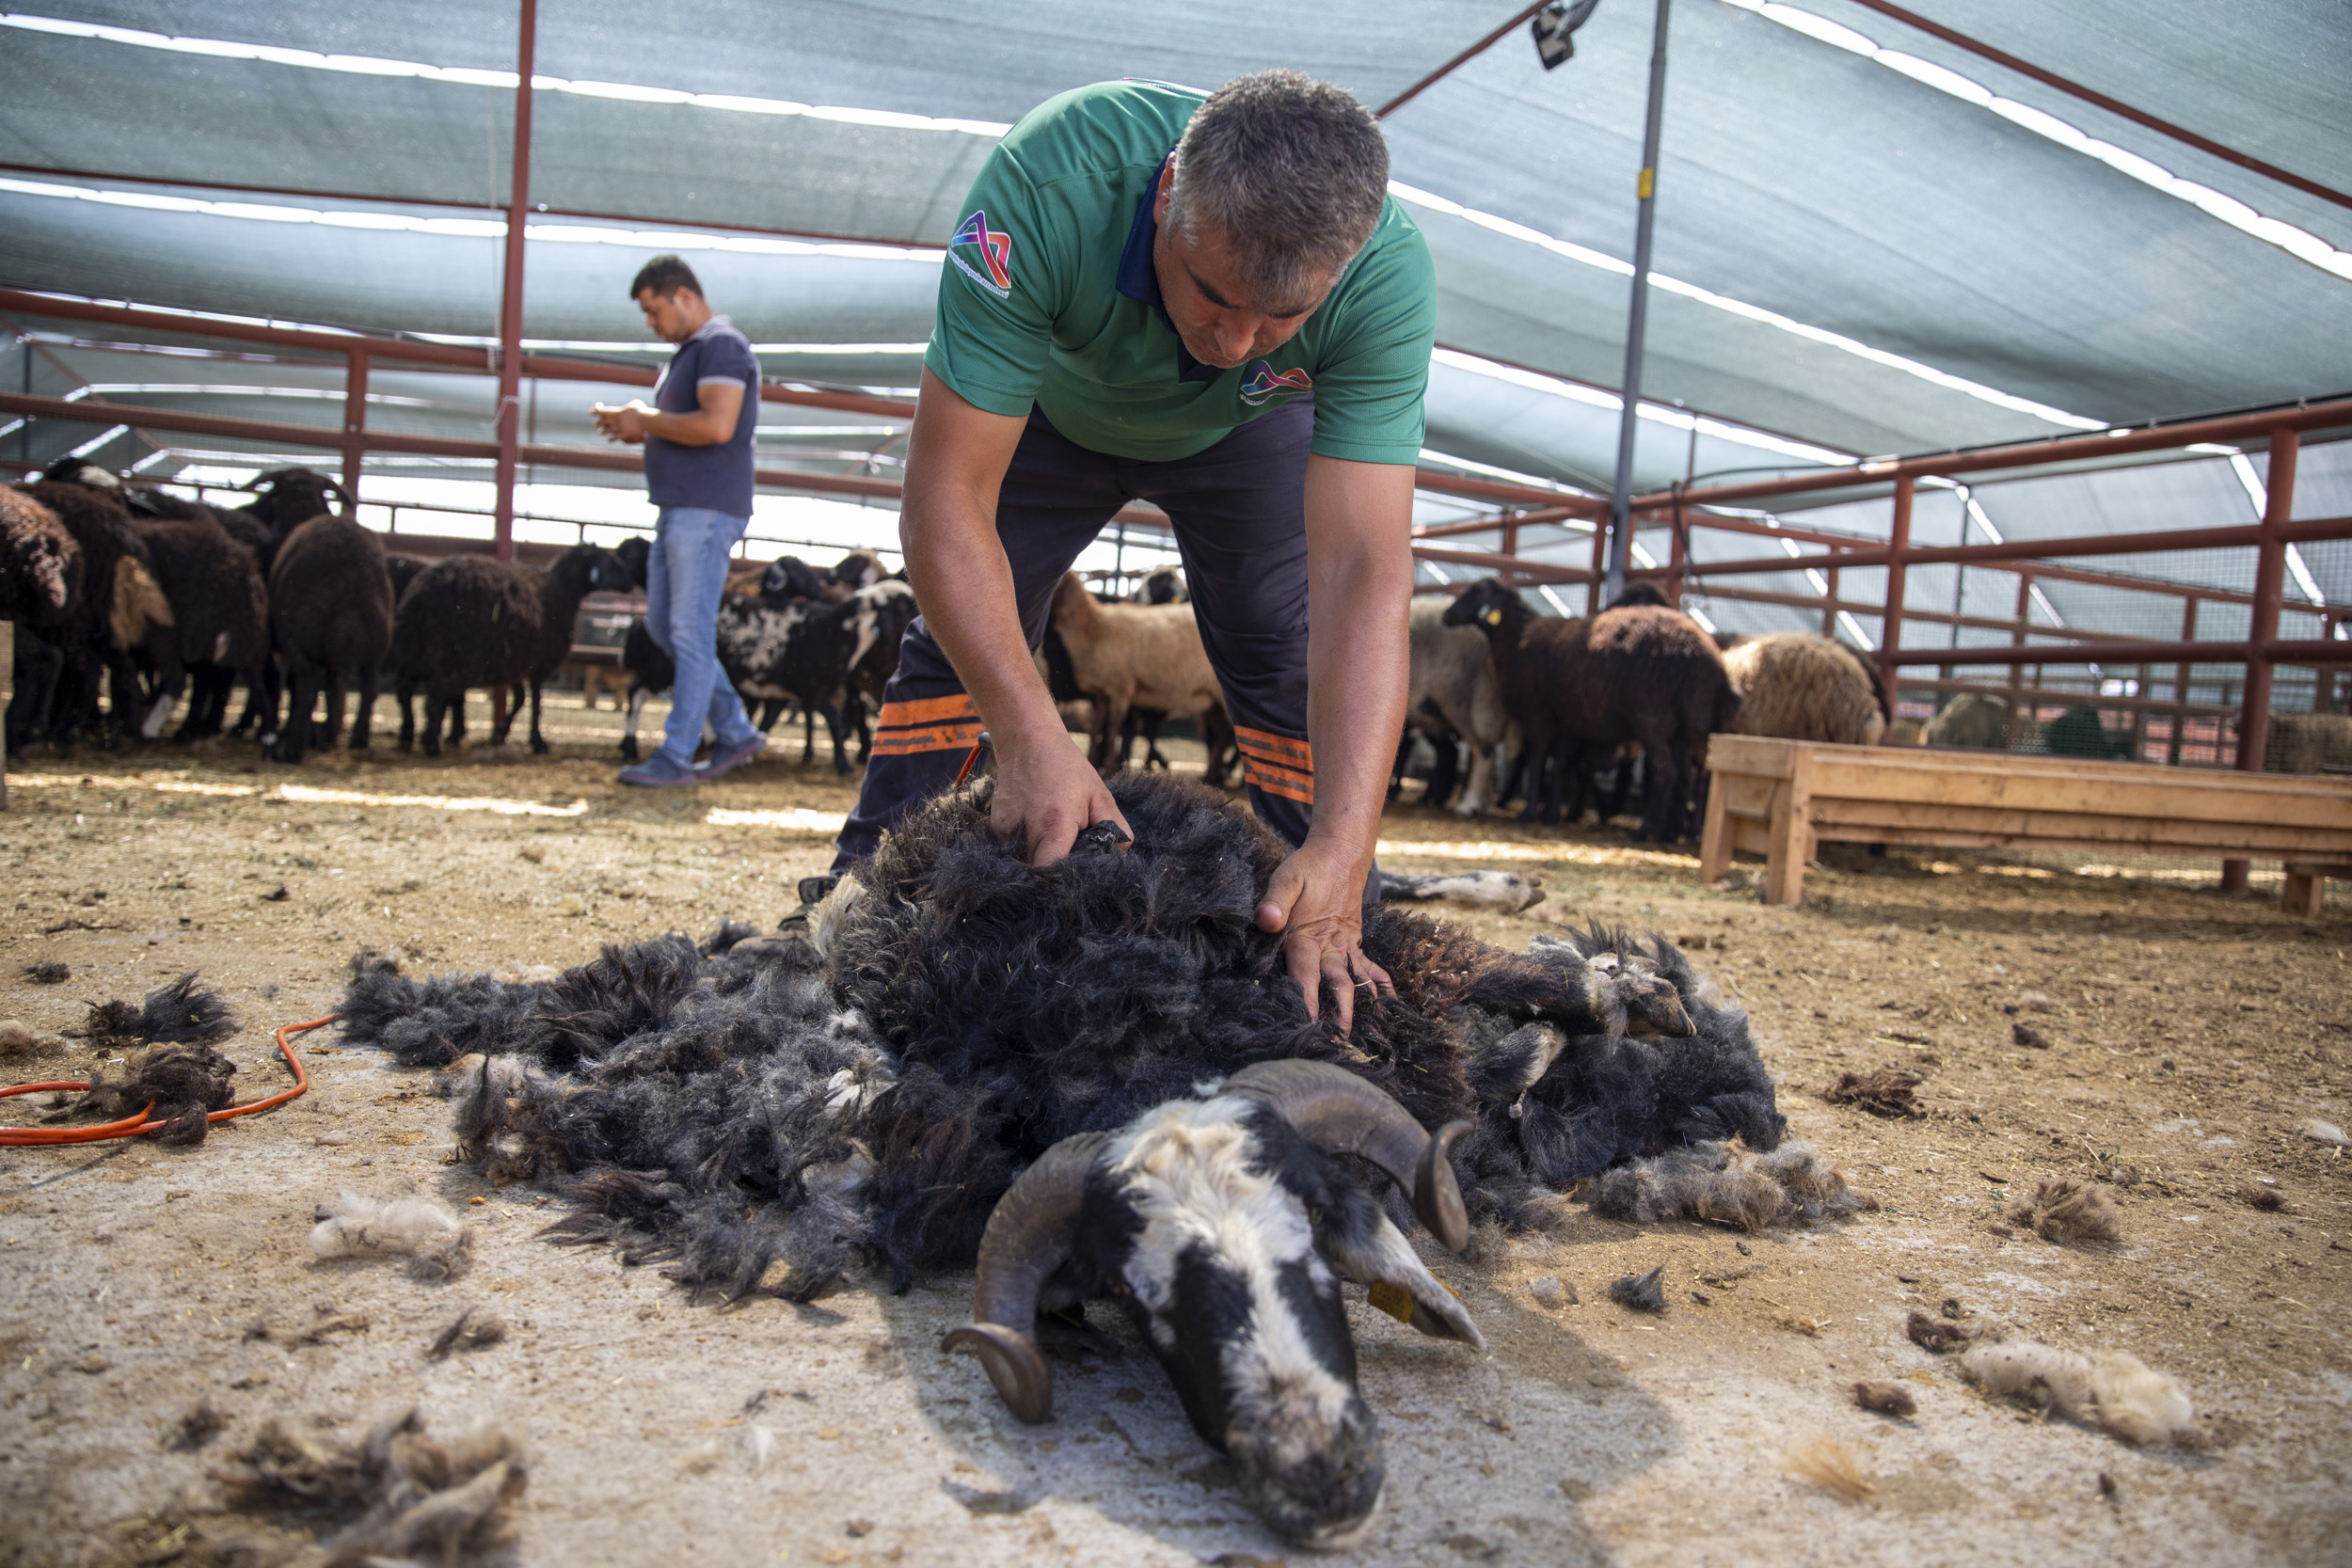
(1493, 617)
(1395, 1300)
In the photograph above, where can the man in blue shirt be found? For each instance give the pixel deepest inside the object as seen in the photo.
(698, 470)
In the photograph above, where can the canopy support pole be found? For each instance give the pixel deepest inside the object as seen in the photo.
(1637, 315)
(509, 420)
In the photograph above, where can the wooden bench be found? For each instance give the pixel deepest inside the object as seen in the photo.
(1779, 799)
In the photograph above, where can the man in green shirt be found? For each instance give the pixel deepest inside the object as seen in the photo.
(1210, 304)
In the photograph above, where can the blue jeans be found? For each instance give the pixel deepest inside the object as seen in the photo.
(684, 576)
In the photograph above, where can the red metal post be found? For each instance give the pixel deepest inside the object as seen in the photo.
(1829, 604)
(1675, 561)
(509, 422)
(2181, 674)
(1897, 565)
(2017, 671)
(354, 421)
(2270, 575)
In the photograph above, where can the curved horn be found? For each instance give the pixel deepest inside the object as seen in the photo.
(1335, 1110)
(1028, 1239)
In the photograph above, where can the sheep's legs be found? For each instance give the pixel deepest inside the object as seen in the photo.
(170, 680)
(38, 666)
(538, 742)
(498, 731)
(638, 696)
(334, 688)
(364, 717)
(1480, 793)
(293, 735)
(405, 693)
(1447, 772)
(435, 708)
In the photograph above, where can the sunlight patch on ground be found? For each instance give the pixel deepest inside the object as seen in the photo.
(1488, 850)
(794, 819)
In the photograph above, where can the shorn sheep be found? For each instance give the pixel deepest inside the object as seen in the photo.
(1800, 686)
(1128, 655)
(1640, 673)
(955, 1015)
(331, 617)
(1455, 694)
(469, 621)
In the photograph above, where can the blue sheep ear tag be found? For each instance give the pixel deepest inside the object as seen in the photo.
(1395, 1300)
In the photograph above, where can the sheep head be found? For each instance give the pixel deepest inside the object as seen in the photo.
(1223, 1224)
(1488, 606)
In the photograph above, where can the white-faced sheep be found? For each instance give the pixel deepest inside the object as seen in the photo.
(1126, 656)
(958, 1014)
(1800, 686)
(1641, 673)
(331, 615)
(469, 621)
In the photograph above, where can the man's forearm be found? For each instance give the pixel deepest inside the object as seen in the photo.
(1357, 666)
(698, 429)
(964, 585)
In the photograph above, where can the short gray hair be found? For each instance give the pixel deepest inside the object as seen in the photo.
(1290, 171)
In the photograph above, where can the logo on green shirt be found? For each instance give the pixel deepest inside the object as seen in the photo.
(995, 250)
(1265, 383)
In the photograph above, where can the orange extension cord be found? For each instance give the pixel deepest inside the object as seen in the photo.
(132, 1127)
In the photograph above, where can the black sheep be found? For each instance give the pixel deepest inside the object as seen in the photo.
(220, 620)
(283, 500)
(469, 621)
(1583, 687)
(331, 614)
(958, 1012)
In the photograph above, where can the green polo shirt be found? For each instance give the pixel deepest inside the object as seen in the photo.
(1049, 298)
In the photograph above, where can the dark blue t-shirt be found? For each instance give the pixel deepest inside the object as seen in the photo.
(718, 477)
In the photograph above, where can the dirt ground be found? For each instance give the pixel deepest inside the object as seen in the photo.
(2188, 1036)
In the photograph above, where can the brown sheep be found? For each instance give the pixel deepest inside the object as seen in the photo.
(1124, 656)
(119, 608)
(1800, 686)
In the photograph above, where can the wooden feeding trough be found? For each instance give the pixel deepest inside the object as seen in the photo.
(1779, 799)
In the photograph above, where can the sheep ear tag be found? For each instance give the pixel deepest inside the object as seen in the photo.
(1492, 617)
(1395, 1300)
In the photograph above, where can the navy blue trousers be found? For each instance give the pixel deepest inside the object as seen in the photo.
(1239, 510)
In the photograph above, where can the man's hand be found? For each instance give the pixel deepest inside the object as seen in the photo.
(626, 424)
(1048, 786)
(1316, 899)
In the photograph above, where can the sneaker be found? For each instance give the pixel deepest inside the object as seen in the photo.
(727, 759)
(656, 773)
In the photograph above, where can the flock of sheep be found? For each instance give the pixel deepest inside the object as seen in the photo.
(126, 599)
(147, 598)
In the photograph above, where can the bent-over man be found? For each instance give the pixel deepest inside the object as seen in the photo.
(1210, 304)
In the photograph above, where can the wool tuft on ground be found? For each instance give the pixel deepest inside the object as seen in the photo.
(182, 1012)
(1640, 1292)
(2113, 1390)
(1724, 1184)
(423, 1229)
(399, 1494)
(2066, 1210)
